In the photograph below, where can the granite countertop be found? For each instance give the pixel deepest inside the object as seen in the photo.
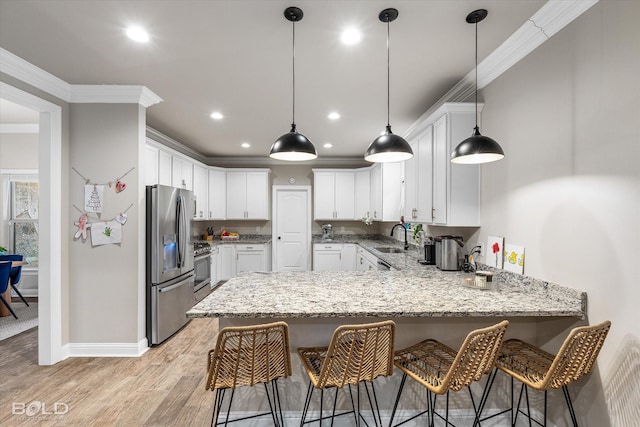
(413, 291)
(246, 239)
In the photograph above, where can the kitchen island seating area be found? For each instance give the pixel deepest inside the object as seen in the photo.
(441, 369)
(250, 355)
(356, 354)
(245, 356)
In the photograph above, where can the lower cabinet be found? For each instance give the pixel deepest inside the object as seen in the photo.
(234, 259)
(365, 260)
(215, 278)
(334, 257)
(227, 262)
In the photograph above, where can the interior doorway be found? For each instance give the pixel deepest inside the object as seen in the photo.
(50, 221)
(291, 231)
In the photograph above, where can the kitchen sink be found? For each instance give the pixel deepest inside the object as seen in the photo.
(389, 250)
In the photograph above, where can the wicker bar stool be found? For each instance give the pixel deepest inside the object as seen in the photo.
(540, 370)
(356, 353)
(441, 369)
(245, 356)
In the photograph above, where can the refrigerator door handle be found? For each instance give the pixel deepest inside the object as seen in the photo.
(181, 230)
(172, 287)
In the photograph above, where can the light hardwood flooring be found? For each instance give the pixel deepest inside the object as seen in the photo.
(163, 387)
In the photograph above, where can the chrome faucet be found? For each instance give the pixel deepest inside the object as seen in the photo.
(406, 243)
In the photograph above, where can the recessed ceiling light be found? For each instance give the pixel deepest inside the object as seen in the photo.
(328, 145)
(351, 36)
(334, 115)
(138, 34)
(245, 145)
(216, 115)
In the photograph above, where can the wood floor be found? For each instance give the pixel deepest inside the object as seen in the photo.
(164, 387)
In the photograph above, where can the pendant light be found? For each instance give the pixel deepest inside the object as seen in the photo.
(388, 147)
(477, 148)
(293, 146)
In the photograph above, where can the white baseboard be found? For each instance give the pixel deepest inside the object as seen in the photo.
(106, 349)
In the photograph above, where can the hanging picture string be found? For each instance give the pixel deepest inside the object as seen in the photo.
(86, 213)
(120, 186)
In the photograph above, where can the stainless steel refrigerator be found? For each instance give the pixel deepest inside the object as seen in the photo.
(170, 275)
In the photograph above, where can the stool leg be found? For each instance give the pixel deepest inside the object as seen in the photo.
(272, 406)
(572, 412)
(335, 403)
(526, 393)
(226, 421)
(321, 401)
(395, 405)
(4, 301)
(307, 400)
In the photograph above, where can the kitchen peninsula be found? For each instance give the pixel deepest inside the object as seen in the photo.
(423, 301)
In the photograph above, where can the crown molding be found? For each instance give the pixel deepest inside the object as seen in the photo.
(266, 161)
(113, 94)
(19, 128)
(169, 142)
(553, 16)
(20, 69)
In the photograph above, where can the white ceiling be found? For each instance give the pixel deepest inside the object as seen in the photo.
(234, 56)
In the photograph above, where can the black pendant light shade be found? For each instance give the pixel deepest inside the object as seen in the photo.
(477, 148)
(293, 146)
(388, 147)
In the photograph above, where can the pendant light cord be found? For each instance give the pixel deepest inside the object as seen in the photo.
(476, 74)
(388, 76)
(293, 118)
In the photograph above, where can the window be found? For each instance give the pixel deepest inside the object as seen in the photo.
(23, 222)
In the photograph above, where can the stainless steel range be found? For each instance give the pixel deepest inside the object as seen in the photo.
(202, 268)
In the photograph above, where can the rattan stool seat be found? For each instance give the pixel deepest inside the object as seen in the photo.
(245, 356)
(541, 370)
(356, 353)
(441, 369)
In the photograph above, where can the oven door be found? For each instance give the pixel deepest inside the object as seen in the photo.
(202, 270)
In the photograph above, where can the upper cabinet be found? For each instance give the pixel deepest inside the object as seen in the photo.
(386, 191)
(182, 172)
(418, 179)
(217, 194)
(334, 194)
(248, 194)
(201, 191)
(450, 191)
(363, 193)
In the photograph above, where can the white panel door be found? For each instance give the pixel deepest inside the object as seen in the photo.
(363, 194)
(217, 194)
(424, 190)
(324, 184)
(164, 168)
(201, 191)
(410, 184)
(344, 200)
(150, 165)
(236, 195)
(257, 195)
(292, 229)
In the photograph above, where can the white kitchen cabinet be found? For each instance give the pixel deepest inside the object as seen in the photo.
(164, 168)
(200, 191)
(227, 261)
(327, 257)
(215, 254)
(182, 172)
(217, 194)
(418, 179)
(362, 197)
(151, 155)
(248, 194)
(334, 257)
(456, 187)
(365, 261)
(334, 194)
(386, 191)
(443, 193)
(349, 255)
(252, 257)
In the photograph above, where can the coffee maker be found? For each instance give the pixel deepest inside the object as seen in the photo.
(327, 230)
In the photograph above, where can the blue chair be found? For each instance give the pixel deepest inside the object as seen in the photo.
(5, 269)
(15, 274)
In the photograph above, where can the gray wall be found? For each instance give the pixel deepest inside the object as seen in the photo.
(568, 118)
(104, 286)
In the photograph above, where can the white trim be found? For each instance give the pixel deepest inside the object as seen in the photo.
(50, 263)
(19, 128)
(107, 349)
(25, 71)
(113, 94)
(20, 69)
(552, 17)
